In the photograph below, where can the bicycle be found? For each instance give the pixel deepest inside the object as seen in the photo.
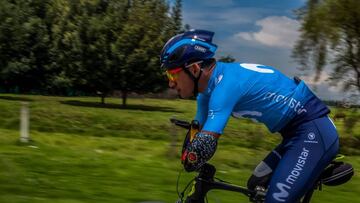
(336, 173)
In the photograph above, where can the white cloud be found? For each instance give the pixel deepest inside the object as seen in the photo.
(276, 31)
(229, 20)
(245, 35)
(322, 88)
(326, 92)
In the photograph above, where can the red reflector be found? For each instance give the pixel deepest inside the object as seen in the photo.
(192, 157)
(183, 156)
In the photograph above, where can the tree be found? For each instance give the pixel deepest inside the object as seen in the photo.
(82, 35)
(6, 22)
(24, 41)
(331, 30)
(176, 17)
(94, 48)
(86, 46)
(137, 48)
(65, 49)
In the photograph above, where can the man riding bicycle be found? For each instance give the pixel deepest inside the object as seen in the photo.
(258, 92)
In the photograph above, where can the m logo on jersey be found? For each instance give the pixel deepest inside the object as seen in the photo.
(257, 67)
(283, 194)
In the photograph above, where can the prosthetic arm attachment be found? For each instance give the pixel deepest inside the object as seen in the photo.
(198, 147)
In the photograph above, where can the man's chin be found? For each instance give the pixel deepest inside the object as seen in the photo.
(184, 96)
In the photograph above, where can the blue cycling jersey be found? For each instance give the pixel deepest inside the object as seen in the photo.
(258, 92)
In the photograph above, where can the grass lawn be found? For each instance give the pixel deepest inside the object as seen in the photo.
(86, 152)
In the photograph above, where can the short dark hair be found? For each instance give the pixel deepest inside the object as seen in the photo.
(208, 63)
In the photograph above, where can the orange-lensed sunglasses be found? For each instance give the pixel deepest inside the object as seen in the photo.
(173, 74)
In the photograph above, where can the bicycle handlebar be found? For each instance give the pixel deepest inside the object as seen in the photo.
(180, 123)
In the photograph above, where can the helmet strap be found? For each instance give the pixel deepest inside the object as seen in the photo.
(195, 80)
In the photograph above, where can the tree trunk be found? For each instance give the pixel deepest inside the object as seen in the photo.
(358, 82)
(102, 99)
(124, 97)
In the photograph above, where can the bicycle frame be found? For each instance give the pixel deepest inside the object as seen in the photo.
(205, 182)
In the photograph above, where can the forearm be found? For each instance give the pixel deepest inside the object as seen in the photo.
(199, 151)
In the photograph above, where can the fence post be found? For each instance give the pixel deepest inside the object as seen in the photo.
(24, 123)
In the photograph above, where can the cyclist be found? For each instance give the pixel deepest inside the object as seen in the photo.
(258, 92)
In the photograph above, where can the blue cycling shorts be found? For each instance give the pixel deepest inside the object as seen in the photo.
(299, 160)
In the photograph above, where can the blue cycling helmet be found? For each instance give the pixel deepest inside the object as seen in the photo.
(186, 48)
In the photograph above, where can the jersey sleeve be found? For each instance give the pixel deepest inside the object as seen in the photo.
(202, 108)
(222, 102)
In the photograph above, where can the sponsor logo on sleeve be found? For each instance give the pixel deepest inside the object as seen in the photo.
(311, 138)
(211, 114)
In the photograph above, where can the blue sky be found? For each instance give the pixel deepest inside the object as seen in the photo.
(255, 31)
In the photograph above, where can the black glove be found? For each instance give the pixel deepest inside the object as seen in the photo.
(260, 177)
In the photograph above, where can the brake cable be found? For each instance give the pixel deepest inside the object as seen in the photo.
(181, 195)
(223, 181)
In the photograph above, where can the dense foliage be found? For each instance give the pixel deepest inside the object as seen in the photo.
(72, 47)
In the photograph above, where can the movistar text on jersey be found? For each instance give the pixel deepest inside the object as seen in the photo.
(291, 102)
(295, 173)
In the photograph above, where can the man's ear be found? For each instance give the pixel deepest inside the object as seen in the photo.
(195, 68)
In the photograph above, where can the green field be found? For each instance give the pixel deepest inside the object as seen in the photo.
(82, 151)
